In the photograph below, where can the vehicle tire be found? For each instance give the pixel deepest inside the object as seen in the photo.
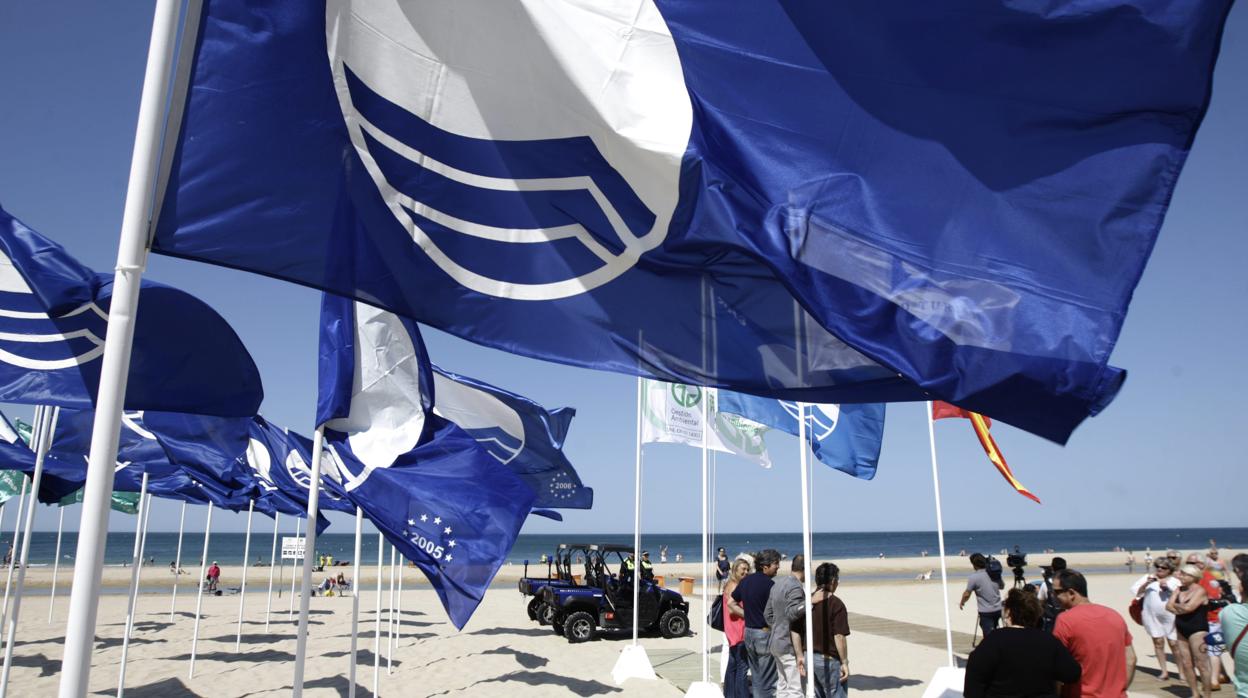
(579, 627)
(674, 623)
(557, 626)
(545, 614)
(535, 605)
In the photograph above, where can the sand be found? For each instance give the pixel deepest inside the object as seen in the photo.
(500, 652)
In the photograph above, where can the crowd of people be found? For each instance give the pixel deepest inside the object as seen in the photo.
(1054, 636)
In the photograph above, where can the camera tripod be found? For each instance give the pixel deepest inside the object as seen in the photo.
(1020, 581)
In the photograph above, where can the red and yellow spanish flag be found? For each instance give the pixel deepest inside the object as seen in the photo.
(943, 410)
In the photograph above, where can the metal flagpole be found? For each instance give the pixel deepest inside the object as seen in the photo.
(398, 607)
(637, 510)
(381, 549)
(293, 564)
(56, 561)
(807, 548)
(242, 592)
(940, 533)
(114, 371)
(199, 598)
(134, 584)
(355, 601)
(177, 565)
(43, 441)
(268, 607)
(706, 430)
(390, 622)
(309, 550)
(17, 531)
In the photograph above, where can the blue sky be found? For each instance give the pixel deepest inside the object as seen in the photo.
(1169, 452)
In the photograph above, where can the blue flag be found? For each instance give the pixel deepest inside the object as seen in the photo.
(846, 437)
(446, 503)
(563, 182)
(59, 478)
(53, 317)
(519, 433)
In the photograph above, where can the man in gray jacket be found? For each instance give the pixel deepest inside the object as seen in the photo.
(785, 604)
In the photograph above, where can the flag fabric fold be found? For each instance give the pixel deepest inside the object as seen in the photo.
(58, 480)
(981, 424)
(53, 317)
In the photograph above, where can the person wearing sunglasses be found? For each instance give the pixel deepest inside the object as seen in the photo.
(1192, 624)
(1155, 589)
(1096, 636)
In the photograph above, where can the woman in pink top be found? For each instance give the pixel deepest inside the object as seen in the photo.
(736, 685)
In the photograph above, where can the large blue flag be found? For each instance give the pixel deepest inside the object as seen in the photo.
(519, 433)
(53, 317)
(444, 501)
(962, 195)
(59, 479)
(846, 437)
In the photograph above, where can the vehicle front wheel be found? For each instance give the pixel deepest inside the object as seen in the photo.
(545, 614)
(579, 627)
(535, 606)
(674, 623)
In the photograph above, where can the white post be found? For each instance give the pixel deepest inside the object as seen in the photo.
(177, 565)
(309, 550)
(940, 533)
(706, 431)
(398, 607)
(808, 548)
(131, 256)
(637, 509)
(56, 561)
(268, 608)
(43, 441)
(242, 592)
(147, 517)
(390, 624)
(17, 531)
(293, 564)
(355, 601)
(199, 598)
(381, 548)
(134, 584)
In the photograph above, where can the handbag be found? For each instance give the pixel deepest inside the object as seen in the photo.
(715, 618)
(1136, 610)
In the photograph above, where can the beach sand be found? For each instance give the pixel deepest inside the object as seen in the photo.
(896, 642)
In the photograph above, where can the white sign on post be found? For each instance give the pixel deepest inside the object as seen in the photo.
(293, 547)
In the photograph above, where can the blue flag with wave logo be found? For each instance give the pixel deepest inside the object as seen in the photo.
(447, 504)
(561, 180)
(845, 437)
(59, 478)
(519, 433)
(53, 317)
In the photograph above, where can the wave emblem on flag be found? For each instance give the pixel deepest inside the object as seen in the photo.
(519, 169)
(31, 340)
(332, 468)
(494, 425)
(820, 419)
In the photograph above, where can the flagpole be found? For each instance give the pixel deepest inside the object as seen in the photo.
(706, 429)
(42, 444)
(807, 548)
(134, 584)
(293, 564)
(56, 562)
(381, 551)
(272, 563)
(355, 601)
(177, 565)
(398, 607)
(17, 531)
(242, 592)
(637, 510)
(309, 550)
(940, 533)
(199, 598)
(390, 623)
(114, 370)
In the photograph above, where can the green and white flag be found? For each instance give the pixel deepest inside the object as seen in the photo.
(10, 484)
(125, 502)
(672, 413)
(24, 431)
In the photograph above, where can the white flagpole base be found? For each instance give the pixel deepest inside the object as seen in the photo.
(704, 689)
(947, 682)
(633, 663)
(723, 662)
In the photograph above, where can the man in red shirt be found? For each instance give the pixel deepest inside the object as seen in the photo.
(1096, 636)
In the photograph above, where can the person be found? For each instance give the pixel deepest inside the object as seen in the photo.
(1130, 562)
(1023, 660)
(173, 567)
(721, 565)
(1148, 557)
(831, 628)
(1214, 644)
(1155, 590)
(987, 595)
(1191, 621)
(626, 569)
(1097, 638)
(647, 568)
(1213, 565)
(341, 582)
(736, 683)
(1052, 608)
(785, 603)
(749, 600)
(680, 557)
(329, 560)
(1234, 620)
(663, 554)
(214, 576)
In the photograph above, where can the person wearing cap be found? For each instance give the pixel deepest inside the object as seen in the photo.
(1096, 636)
(647, 568)
(1192, 624)
(1155, 589)
(1052, 609)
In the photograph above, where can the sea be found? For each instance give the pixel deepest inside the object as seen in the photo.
(227, 548)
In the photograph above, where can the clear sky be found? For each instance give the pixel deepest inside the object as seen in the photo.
(1169, 452)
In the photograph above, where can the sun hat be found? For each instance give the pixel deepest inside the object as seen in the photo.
(1191, 571)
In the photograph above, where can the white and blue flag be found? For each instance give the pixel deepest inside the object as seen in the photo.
(845, 437)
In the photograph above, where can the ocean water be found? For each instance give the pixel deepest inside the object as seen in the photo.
(227, 548)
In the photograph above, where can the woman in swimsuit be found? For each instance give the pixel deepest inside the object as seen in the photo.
(1192, 625)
